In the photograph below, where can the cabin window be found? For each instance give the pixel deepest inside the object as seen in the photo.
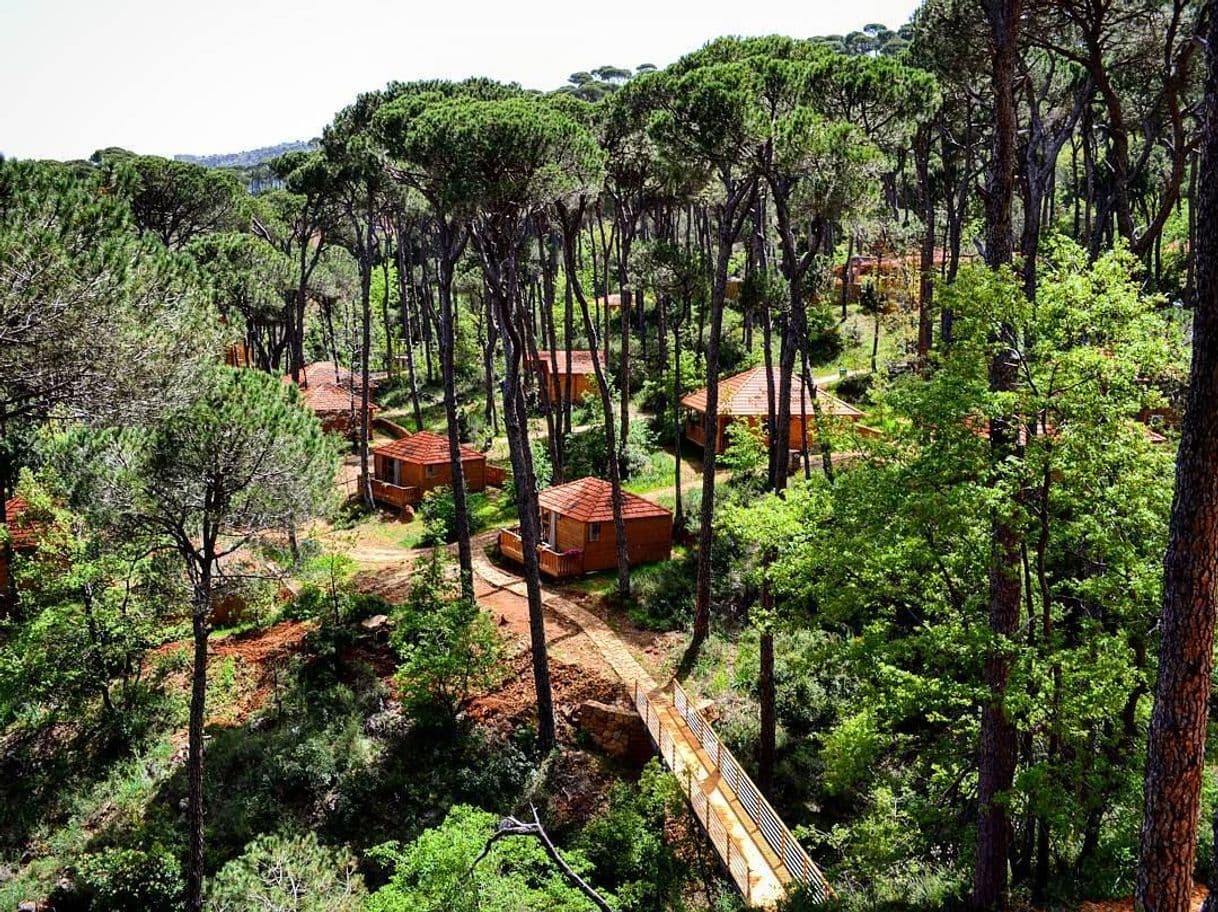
(431, 471)
(594, 532)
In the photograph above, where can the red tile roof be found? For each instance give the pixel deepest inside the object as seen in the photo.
(424, 448)
(24, 535)
(326, 397)
(580, 363)
(745, 394)
(334, 375)
(591, 500)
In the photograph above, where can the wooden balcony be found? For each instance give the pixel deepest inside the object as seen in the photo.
(553, 564)
(392, 495)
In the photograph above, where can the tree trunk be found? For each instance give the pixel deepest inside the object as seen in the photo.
(201, 626)
(1176, 754)
(766, 746)
(452, 247)
(998, 736)
(728, 229)
(571, 222)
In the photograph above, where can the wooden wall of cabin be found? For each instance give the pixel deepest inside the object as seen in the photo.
(648, 539)
(416, 475)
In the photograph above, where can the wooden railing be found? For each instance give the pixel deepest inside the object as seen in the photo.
(769, 824)
(552, 563)
(394, 495)
(716, 829)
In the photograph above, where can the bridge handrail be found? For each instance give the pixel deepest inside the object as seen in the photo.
(769, 824)
(715, 828)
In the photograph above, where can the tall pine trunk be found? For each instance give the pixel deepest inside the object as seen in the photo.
(996, 768)
(1176, 754)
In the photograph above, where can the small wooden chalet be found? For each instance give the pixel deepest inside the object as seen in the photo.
(743, 397)
(578, 534)
(576, 373)
(610, 302)
(23, 538)
(407, 468)
(333, 393)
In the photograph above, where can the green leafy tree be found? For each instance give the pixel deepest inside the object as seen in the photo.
(242, 458)
(447, 646)
(177, 201)
(444, 870)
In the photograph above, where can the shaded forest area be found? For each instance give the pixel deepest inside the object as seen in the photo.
(947, 593)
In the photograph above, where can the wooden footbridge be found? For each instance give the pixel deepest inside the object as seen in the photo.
(754, 845)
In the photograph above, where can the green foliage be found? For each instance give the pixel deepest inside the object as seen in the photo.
(130, 880)
(439, 517)
(849, 751)
(436, 873)
(288, 874)
(664, 594)
(625, 844)
(447, 646)
(90, 610)
(746, 456)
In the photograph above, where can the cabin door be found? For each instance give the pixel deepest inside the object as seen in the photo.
(397, 473)
(552, 529)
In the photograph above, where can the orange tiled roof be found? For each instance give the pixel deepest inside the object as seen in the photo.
(591, 500)
(24, 535)
(335, 375)
(745, 394)
(326, 397)
(424, 448)
(580, 363)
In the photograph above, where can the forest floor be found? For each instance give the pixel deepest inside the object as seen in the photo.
(1126, 904)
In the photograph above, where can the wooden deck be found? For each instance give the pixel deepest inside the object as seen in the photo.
(553, 564)
(395, 495)
(756, 847)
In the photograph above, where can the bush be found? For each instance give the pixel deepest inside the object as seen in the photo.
(436, 872)
(856, 389)
(626, 843)
(543, 470)
(130, 880)
(289, 874)
(439, 517)
(664, 594)
(447, 644)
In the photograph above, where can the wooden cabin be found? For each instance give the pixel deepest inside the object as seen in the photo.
(23, 538)
(577, 373)
(610, 302)
(334, 394)
(406, 469)
(744, 397)
(337, 408)
(578, 534)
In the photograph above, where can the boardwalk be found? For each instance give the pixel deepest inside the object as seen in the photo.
(752, 842)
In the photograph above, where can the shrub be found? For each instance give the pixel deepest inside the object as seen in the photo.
(130, 880)
(664, 594)
(626, 843)
(288, 874)
(437, 873)
(855, 389)
(447, 644)
(439, 517)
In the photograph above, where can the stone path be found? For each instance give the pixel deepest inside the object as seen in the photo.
(755, 867)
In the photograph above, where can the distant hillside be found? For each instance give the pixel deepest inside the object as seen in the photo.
(246, 159)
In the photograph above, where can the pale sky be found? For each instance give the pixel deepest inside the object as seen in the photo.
(209, 76)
